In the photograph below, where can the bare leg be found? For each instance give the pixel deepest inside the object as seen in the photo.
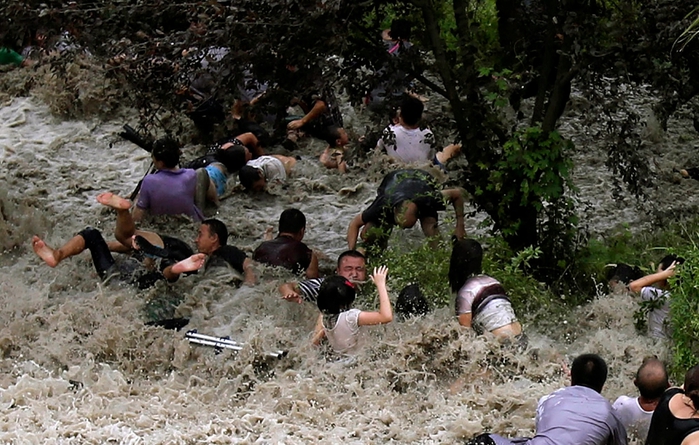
(125, 226)
(52, 257)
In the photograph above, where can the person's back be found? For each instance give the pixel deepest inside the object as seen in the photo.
(676, 419)
(409, 145)
(286, 252)
(170, 190)
(576, 415)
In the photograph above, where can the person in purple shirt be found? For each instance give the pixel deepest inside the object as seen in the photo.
(576, 415)
(170, 190)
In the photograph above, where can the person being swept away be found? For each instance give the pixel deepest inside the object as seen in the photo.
(141, 269)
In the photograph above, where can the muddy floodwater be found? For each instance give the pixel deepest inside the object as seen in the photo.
(78, 364)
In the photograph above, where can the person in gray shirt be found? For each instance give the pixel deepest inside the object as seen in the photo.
(576, 415)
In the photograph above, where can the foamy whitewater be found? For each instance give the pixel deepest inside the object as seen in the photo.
(80, 366)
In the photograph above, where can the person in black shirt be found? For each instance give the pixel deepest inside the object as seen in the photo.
(214, 252)
(676, 419)
(403, 198)
(287, 250)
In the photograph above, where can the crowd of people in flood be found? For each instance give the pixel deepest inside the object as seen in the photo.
(577, 414)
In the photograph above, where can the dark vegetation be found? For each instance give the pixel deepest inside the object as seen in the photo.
(481, 56)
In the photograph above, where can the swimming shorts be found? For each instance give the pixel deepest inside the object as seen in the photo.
(218, 177)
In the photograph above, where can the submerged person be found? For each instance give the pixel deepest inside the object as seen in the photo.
(215, 253)
(481, 301)
(171, 190)
(338, 321)
(403, 198)
(635, 413)
(676, 418)
(264, 170)
(576, 415)
(334, 154)
(287, 250)
(655, 287)
(351, 265)
(135, 272)
(10, 57)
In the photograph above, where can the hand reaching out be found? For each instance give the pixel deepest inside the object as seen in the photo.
(379, 275)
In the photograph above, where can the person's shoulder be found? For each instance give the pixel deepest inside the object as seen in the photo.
(624, 403)
(653, 293)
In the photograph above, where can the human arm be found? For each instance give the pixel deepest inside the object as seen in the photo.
(312, 270)
(353, 231)
(319, 108)
(249, 272)
(465, 319)
(637, 285)
(191, 264)
(385, 313)
(456, 197)
(290, 292)
(692, 439)
(319, 331)
(252, 143)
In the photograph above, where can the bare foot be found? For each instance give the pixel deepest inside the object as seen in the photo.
(194, 262)
(44, 252)
(111, 200)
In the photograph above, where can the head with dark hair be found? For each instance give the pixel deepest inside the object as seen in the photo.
(691, 385)
(411, 110)
(233, 157)
(335, 295)
(400, 29)
(251, 178)
(292, 221)
(651, 379)
(466, 261)
(336, 136)
(668, 260)
(623, 273)
(351, 264)
(167, 151)
(212, 235)
(589, 370)
(411, 302)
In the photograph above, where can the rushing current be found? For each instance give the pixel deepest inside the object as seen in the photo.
(79, 365)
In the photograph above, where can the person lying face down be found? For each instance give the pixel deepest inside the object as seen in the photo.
(257, 173)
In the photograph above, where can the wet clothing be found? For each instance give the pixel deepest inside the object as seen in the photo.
(9, 57)
(286, 252)
(399, 186)
(331, 117)
(486, 300)
(309, 289)
(665, 428)
(167, 192)
(635, 419)
(131, 270)
(408, 145)
(657, 326)
(227, 256)
(343, 336)
(271, 167)
(217, 177)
